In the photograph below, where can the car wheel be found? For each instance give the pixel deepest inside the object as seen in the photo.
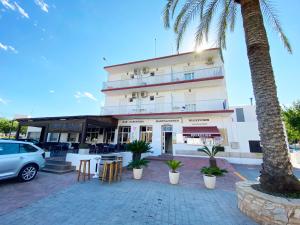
(27, 173)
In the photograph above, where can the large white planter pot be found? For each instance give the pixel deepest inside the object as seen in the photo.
(83, 151)
(174, 177)
(137, 173)
(209, 181)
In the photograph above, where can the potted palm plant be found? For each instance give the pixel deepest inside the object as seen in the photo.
(137, 166)
(173, 173)
(211, 151)
(137, 148)
(209, 175)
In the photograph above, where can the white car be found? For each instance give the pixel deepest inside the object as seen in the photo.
(20, 159)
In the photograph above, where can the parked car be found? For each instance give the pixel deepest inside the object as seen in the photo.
(20, 159)
(33, 141)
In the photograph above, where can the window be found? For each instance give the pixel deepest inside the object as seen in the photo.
(92, 134)
(255, 146)
(152, 74)
(72, 137)
(9, 148)
(34, 135)
(25, 148)
(151, 98)
(240, 115)
(190, 107)
(110, 135)
(146, 133)
(189, 76)
(124, 135)
(198, 140)
(53, 137)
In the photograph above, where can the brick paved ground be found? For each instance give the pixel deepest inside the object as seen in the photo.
(133, 203)
(14, 194)
(190, 173)
(59, 199)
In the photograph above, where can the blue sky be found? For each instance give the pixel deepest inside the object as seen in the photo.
(51, 52)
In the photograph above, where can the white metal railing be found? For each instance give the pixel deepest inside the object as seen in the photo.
(157, 79)
(204, 105)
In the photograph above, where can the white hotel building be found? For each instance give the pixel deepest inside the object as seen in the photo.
(178, 103)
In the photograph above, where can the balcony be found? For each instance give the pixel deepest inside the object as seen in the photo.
(152, 80)
(173, 107)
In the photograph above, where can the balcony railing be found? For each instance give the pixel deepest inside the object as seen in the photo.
(158, 79)
(205, 105)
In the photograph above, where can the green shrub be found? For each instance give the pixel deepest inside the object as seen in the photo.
(138, 164)
(174, 165)
(138, 148)
(216, 171)
(211, 153)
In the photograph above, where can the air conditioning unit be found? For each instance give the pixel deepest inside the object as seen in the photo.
(137, 71)
(144, 94)
(209, 61)
(134, 95)
(145, 70)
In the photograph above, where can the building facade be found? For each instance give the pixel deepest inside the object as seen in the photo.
(179, 103)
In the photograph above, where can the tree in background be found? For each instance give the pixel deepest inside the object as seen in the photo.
(291, 117)
(277, 171)
(7, 126)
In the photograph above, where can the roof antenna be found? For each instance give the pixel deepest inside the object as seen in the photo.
(154, 47)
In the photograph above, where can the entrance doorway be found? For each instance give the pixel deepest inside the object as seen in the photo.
(167, 145)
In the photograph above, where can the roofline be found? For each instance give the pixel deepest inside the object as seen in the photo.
(174, 113)
(157, 58)
(59, 117)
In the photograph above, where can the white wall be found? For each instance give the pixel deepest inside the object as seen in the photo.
(243, 132)
(177, 123)
(196, 95)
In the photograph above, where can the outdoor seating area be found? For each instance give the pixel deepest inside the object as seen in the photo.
(108, 168)
(60, 149)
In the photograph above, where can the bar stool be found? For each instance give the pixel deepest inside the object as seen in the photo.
(118, 168)
(108, 168)
(84, 164)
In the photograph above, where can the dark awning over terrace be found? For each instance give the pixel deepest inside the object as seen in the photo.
(67, 124)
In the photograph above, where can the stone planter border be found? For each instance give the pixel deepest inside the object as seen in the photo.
(267, 209)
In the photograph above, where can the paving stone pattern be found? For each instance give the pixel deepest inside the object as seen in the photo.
(131, 202)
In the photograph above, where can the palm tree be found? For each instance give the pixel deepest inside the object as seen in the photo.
(277, 172)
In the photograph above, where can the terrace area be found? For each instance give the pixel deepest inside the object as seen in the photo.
(168, 107)
(152, 79)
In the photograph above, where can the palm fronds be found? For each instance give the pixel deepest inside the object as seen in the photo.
(138, 164)
(204, 11)
(270, 13)
(174, 165)
(211, 153)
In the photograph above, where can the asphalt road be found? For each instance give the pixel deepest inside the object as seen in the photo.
(251, 172)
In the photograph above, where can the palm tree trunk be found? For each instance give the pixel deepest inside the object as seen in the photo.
(277, 173)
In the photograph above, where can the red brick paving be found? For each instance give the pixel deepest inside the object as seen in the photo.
(14, 194)
(190, 175)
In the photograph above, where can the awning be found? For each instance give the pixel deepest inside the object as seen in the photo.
(212, 131)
